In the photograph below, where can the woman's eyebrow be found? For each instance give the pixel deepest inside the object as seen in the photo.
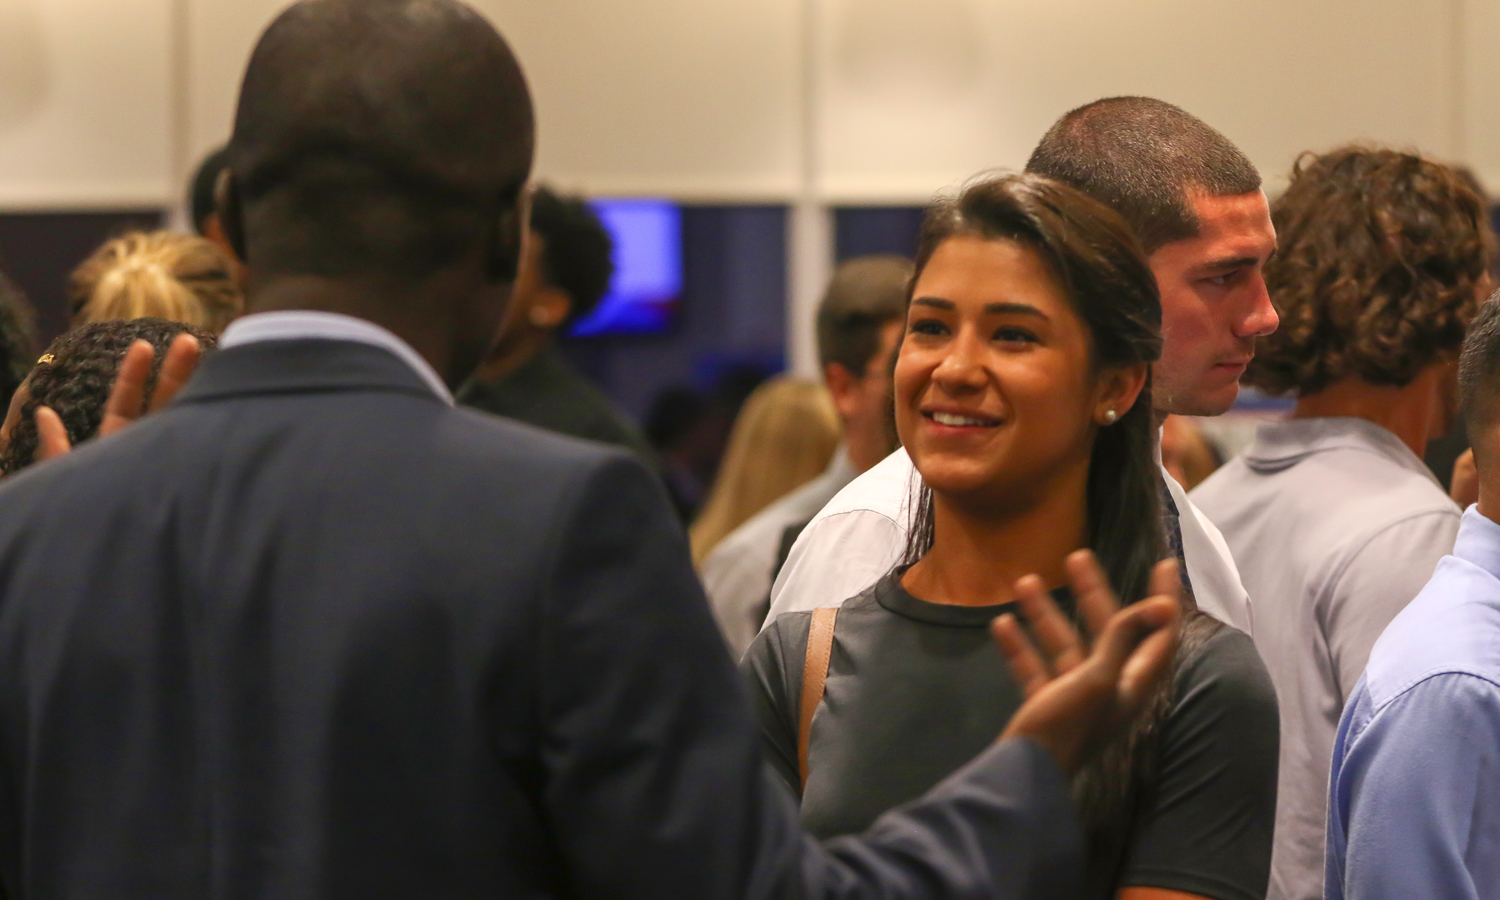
(937, 302)
(1013, 309)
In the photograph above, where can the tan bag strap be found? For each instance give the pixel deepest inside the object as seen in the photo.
(814, 674)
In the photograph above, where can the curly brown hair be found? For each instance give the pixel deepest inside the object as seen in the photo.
(1382, 259)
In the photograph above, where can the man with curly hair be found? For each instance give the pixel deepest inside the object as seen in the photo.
(565, 272)
(1335, 521)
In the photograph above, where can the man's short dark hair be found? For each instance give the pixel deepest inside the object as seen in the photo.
(864, 294)
(201, 196)
(1479, 380)
(379, 137)
(1141, 157)
(576, 249)
(1381, 260)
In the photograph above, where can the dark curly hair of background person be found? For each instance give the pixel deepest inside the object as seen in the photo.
(75, 375)
(1382, 256)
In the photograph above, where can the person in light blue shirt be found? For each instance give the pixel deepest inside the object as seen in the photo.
(1414, 794)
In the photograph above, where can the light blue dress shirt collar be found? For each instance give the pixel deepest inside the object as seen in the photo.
(304, 324)
(1479, 541)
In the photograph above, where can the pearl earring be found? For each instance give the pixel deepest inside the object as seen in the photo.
(1110, 416)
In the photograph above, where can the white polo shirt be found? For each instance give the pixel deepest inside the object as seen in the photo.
(861, 534)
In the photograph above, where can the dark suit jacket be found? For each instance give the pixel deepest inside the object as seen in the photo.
(312, 633)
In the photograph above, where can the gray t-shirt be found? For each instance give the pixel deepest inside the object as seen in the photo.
(1336, 525)
(917, 689)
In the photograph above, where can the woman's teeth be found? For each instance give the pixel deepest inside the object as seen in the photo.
(943, 418)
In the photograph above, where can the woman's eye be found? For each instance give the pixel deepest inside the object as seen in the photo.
(1015, 336)
(928, 326)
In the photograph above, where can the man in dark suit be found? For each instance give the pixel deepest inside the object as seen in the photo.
(313, 632)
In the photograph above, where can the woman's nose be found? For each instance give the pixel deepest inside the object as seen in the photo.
(962, 366)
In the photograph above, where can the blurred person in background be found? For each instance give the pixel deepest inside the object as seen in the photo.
(1194, 202)
(1187, 453)
(160, 275)
(17, 337)
(688, 429)
(1023, 396)
(74, 379)
(565, 272)
(859, 325)
(783, 438)
(1333, 517)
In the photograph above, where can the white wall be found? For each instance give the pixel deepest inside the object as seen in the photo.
(709, 100)
(810, 102)
(85, 104)
(917, 96)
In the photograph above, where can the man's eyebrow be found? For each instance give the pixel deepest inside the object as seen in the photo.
(1230, 262)
(938, 302)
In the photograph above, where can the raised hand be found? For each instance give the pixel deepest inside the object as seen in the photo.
(1078, 698)
(127, 399)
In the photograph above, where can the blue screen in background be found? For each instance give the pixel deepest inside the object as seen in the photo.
(647, 283)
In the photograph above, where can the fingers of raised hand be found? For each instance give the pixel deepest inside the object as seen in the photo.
(1061, 646)
(1165, 580)
(128, 397)
(1091, 591)
(176, 368)
(1137, 648)
(52, 435)
(1025, 663)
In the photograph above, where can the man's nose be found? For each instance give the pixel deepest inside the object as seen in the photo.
(1259, 317)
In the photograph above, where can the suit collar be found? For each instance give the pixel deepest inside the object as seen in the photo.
(298, 324)
(302, 366)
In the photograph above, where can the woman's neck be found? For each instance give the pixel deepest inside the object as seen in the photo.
(978, 554)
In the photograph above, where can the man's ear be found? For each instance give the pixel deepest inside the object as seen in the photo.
(1118, 390)
(844, 386)
(231, 216)
(549, 308)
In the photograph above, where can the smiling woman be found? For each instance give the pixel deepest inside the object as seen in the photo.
(1022, 395)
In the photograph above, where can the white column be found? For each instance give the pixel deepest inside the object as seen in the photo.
(810, 250)
(809, 264)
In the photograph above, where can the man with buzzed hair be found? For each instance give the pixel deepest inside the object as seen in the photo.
(312, 632)
(1195, 202)
(1412, 807)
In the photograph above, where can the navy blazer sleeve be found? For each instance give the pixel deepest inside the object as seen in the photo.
(654, 785)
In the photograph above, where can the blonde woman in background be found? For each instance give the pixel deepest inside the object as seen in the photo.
(159, 274)
(782, 439)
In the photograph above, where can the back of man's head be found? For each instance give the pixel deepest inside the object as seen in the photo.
(1142, 157)
(1479, 386)
(576, 249)
(377, 138)
(865, 294)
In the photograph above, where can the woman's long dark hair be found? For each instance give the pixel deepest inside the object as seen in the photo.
(1109, 285)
